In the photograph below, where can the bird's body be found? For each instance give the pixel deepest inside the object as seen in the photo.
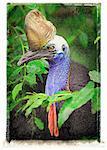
(56, 81)
(81, 123)
(59, 68)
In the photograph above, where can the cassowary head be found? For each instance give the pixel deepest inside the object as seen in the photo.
(60, 46)
(42, 39)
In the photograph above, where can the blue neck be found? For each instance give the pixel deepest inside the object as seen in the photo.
(58, 75)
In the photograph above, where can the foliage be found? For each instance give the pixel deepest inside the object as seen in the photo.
(77, 100)
(73, 101)
(39, 123)
(83, 39)
(16, 90)
(77, 25)
(96, 100)
(94, 76)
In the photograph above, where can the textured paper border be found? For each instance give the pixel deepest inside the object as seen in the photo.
(3, 94)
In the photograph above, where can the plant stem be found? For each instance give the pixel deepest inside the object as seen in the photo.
(22, 49)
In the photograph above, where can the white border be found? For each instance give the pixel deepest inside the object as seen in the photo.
(3, 47)
(54, 1)
(103, 73)
(3, 82)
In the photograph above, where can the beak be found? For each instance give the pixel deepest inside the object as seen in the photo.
(32, 55)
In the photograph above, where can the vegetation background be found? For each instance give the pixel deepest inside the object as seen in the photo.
(79, 25)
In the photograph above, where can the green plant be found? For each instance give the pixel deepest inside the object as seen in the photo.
(79, 30)
(73, 101)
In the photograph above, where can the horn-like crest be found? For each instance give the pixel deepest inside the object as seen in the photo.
(39, 31)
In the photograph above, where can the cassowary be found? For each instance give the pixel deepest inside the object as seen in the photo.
(44, 43)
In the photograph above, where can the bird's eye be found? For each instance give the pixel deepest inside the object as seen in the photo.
(51, 47)
(48, 47)
(63, 47)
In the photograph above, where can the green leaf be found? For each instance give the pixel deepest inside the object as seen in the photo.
(28, 111)
(24, 38)
(29, 103)
(38, 122)
(10, 7)
(16, 102)
(94, 76)
(95, 102)
(71, 39)
(45, 63)
(83, 37)
(97, 39)
(31, 78)
(37, 67)
(20, 109)
(62, 92)
(20, 29)
(31, 6)
(16, 71)
(16, 90)
(78, 99)
(40, 77)
(32, 67)
(64, 112)
(59, 97)
(36, 101)
(45, 104)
